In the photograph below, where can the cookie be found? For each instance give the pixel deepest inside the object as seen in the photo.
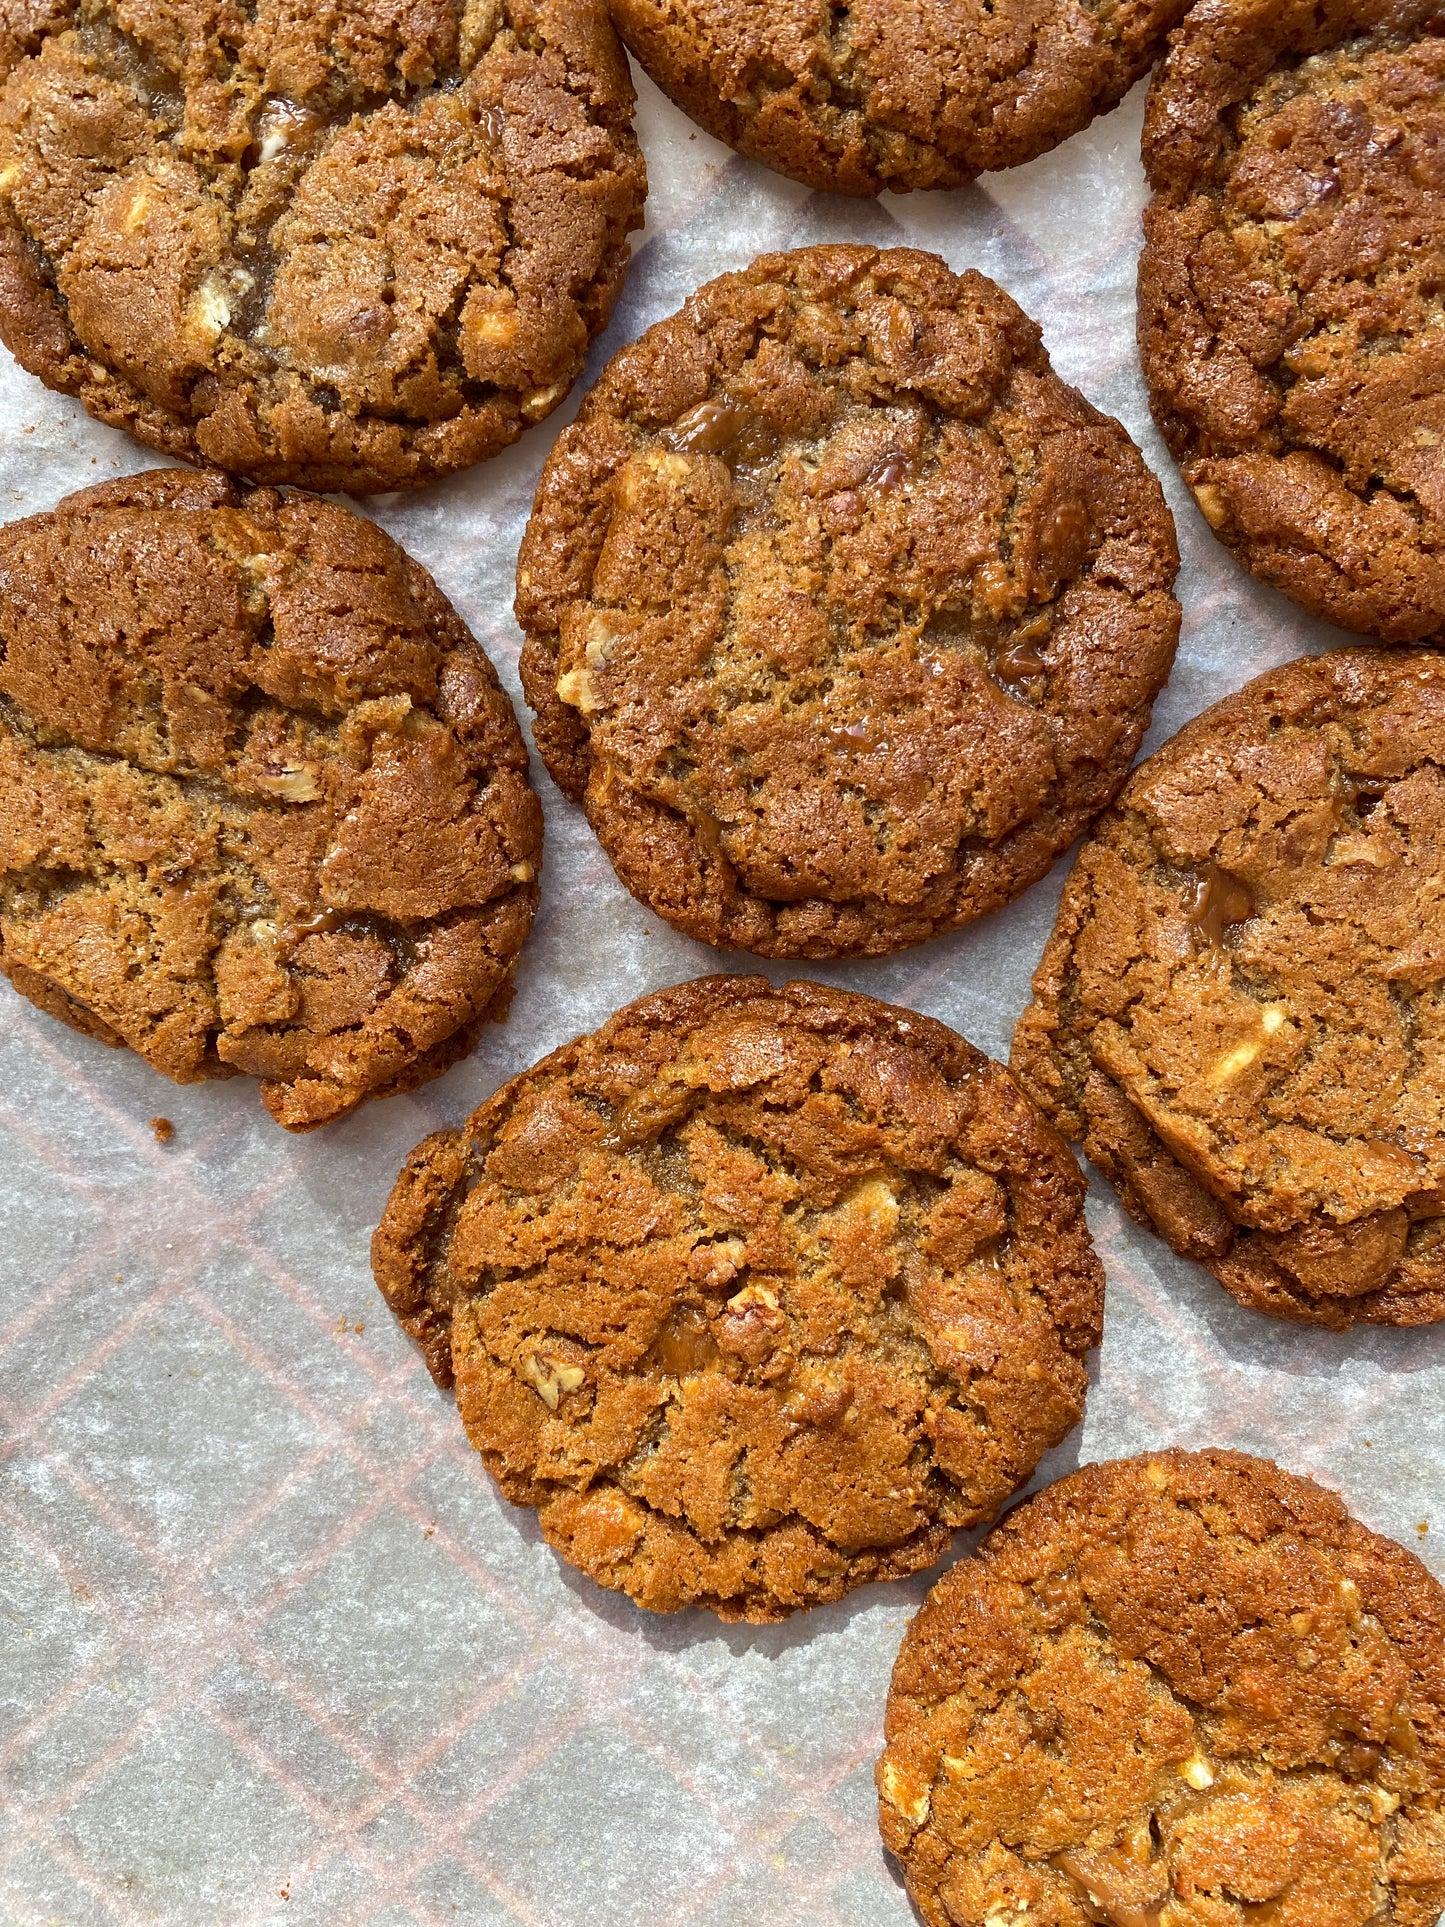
(1182, 1688)
(754, 1294)
(353, 246)
(843, 613)
(877, 95)
(263, 805)
(1237, 1008)
(1289, 299)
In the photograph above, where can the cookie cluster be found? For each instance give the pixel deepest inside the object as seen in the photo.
(843, 618)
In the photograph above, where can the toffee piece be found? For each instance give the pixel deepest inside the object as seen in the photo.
(843, 613)
(1289, 296)
(754, 1294)
(263, 804)
(1183, 1690)
(1237, 1008)
(354, 246)
(880, 96)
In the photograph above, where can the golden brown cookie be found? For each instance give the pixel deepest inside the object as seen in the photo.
(1183, 1690)
(263, 804)
(878, 95)
(352, 245)
(1239, 1006)
(844, 614)
(1289, 296)
(753, 1294)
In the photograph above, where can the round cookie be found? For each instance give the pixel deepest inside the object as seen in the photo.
(1238, 1009)
(354, 246)
(1182, 1690)
(755, 1294)
(879, 95)
(263, 805)
(1289, 296)
(843, 613)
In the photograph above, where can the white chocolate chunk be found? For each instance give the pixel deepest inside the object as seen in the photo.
(913, 1806)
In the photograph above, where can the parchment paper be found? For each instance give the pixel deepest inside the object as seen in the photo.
(271, 1649)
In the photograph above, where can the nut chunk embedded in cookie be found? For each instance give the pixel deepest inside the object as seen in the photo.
(356, 245)
(263, 804)
(1237, 1009)
(844, 614)
(1289, 296)
(1185, 1690)
(754, 1294)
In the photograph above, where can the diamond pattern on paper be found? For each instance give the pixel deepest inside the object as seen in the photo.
(273, 1651)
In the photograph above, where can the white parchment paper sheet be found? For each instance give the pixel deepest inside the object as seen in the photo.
(271, 1649)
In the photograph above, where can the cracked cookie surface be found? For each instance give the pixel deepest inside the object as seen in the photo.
(1183, 1690)
(843, 613)
(871, 96)
(263, 804)
(356, 245)
(1241, 1006)
(1290, 296)
(754, 1294)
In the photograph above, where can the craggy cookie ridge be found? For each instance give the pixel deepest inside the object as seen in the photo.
(263, 804)
(874, 96)
(1289, 296)
(754, 1294)
(843, 613)
(1238, 1007)
(350, 246)
(1184, 1690)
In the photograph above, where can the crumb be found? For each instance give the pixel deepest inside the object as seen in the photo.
(163, 1128)
(1423, 1527)
(428, 1531)
(359, 1326)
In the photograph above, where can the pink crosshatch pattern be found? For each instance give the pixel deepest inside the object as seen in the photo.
(271, 1648)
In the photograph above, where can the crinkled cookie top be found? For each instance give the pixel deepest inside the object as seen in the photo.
(753, 1294)
(355, 244)
(1186, 1690)
(1290, 296)
(1240, 1008)
(844, 614)
(263, 804)
(876, 95)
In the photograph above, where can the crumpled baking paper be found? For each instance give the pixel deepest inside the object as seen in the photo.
(271, 1648)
